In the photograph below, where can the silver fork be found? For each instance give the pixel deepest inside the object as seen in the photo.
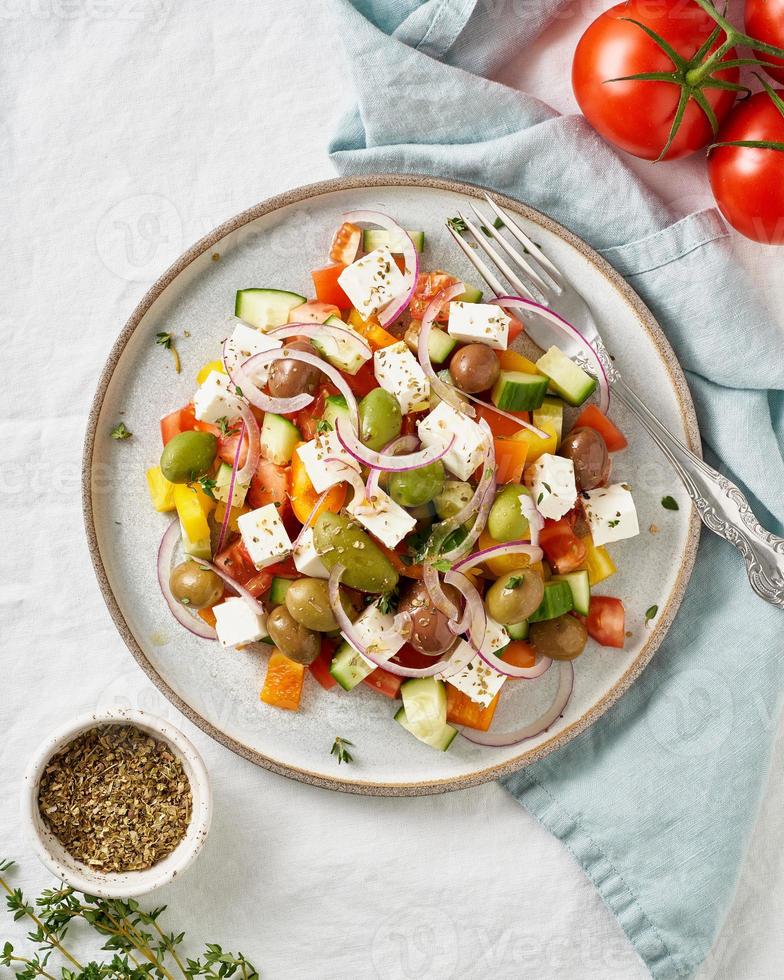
(721, 505)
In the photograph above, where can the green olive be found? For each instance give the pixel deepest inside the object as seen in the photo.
(505, 522)
(380, 419)
(453, 497)
(292, 638)
(413, 488)
(562, 638)
(338, 541)
(188, 456)
(307, 601)
(514, 596)
(195, 586)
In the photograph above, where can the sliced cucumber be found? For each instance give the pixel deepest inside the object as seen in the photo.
(264, 308)
(566, 378)
(440, 345)
(335, 407)
(425, 702)
(517, 631)
(341, 351)
(279, 436)
(349, 668)
(222, 484)
(516, 391)
(580, 588)
(373, 238)
(439, 738)
(471, 295)
(550, 413)
(557, 601)
(278, 590)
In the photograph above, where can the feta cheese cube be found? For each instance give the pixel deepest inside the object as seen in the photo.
(314, 456)
(551, 479)
(237, 623)
(386, 520)
(372, 282)
(610, 513)
(469, 446)
(400, 373)
(375, 632)
(264, 536)
(481, 323)
(246, 341)
(215, 399)
(306, 559)
(478, 680)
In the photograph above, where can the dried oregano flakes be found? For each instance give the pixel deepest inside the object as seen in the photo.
(116, 798)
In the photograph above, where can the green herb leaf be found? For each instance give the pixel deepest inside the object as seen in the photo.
(457, 224)
(442, 565)
(340, 750)
(120, 431)
(650, 613)
(164, 339)
(225, 426)
(323, 425)
(208, 486)
(613, 523)
(388, 602)
(514, 583)
(669, 503)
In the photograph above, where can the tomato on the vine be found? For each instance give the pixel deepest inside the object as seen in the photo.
(765, 21)
(639, 114)
(748, 181)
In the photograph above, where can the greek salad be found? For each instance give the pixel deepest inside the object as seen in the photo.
(372, 487)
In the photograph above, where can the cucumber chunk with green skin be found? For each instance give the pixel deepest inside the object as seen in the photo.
(557, 601)
(278, 438)
(341, 351)
(439, 738)
(471, 295)
(373, 238)
(516, 391)
(516, 631)
(278, 589)
(349, 667)
(335, 407)
(440, 345)
(567, 379)
(265, 308)
(580, 587)
(550, 412)
(424, 699)
(222, 484)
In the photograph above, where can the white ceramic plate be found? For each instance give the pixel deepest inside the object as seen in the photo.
(276, 244)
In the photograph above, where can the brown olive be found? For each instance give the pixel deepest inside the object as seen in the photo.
(562, 638)
(588, 451)
(288, 377)
(293, 639)
(195, 586)
(475, 368)
(430, 633)
(514, 596)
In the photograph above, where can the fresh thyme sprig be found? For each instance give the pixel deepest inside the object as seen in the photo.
(166, 340)
(140, 948)
(340, 749)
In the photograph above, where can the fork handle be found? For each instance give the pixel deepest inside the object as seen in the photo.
(721, 505)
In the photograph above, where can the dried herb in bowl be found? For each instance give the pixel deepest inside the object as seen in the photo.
(116, 798)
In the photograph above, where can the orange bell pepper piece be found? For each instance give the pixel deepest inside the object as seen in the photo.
(372, 331)
(461, 710)
(303, 493)
(518, 653)
(283, 683)
(510, 456)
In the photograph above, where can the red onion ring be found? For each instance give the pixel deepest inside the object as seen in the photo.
(351, 476)
(254, 394)
(241, 591)
(542, 665)
(445, 392)
(380, 461)
(440, 532)
(393, 310)
(310, 518)
(235, 466)
(532, 515)
(254, 449)
(194, 624)
(517, 302)
(438, 597)
(314, 329)
(534, 554)
(406, 443)
(474, 612)
(402, 623)
(534, 728)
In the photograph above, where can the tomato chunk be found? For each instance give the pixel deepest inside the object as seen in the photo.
(328, 289)
(385, 682)
(429, 284)
(320, 666)
(563, 549)
(269, 485)
(180, 420)
(606, 621)
(594, 418)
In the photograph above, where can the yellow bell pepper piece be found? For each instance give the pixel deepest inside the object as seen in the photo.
(208, 368)
(598, 562)
(220, 513)
(505, 563)
(549, 412)
(510, 360)
(536, 445)
(161, 490)
(193, 508)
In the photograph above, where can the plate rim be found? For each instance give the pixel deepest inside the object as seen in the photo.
(360, 787)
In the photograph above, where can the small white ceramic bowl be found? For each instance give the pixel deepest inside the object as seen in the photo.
(128, 884)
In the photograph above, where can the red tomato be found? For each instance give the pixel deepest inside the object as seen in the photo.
(180, 420)
(235, 561)
(748, 182)
(594, 418)
(501, 426)
(385, 682)
(637, 115)
(269, 485)
(606, 621)
(307, 419)
(328, 289)
(428, 285)
(363, 381)
(515, 329)
(313, 312)
(227, 444)
(320, 666)
(765, 22)
(563, 549)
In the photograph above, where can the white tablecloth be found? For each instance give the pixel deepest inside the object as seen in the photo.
(128, 129)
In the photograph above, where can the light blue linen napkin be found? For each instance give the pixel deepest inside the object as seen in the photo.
(657, 800)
